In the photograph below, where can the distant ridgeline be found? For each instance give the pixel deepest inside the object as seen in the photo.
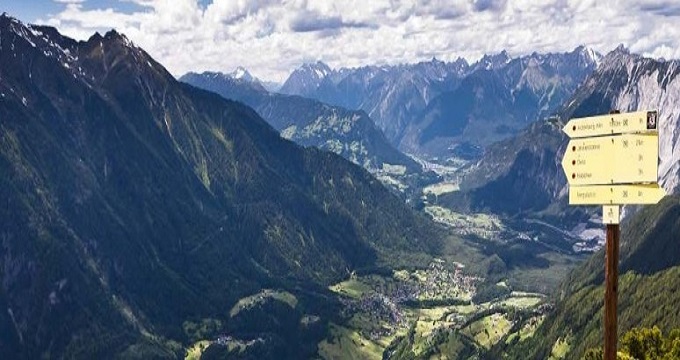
(427, 107)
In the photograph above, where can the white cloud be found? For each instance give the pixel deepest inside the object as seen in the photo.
(272, 37)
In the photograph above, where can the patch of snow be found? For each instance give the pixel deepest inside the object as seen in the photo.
(593, 56)
(127, 41)
(29, 40)
(34, 32)
(319, 73)
(53, 298)
(239, 73)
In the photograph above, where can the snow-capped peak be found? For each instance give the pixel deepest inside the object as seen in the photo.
(622, 49)
(319, 69)
(493, 62)
(241, 73)
(589, 55)
(306, 79)
(41, 39)
(593, 55)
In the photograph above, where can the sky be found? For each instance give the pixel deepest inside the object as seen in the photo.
(271, 38)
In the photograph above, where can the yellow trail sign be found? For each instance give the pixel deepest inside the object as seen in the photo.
(635, 122)
(615, 194)
(618, 159)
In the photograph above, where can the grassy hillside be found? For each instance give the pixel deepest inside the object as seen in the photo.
(649, 287)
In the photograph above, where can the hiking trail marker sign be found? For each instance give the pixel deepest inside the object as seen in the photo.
(612, 160)
(620, 151)
(635, 122)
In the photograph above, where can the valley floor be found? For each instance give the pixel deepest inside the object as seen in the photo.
(428, 312)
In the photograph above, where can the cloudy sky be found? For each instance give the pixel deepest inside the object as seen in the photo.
(271, 37)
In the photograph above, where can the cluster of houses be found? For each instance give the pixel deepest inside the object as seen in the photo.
(441, 283)
(379, 310)
(382, 305)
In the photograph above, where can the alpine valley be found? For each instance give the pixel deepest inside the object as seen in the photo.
(414, 211)
(351, 134)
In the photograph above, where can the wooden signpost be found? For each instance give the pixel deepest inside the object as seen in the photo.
(612, 160)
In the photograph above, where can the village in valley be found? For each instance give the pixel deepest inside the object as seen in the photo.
(426, 304)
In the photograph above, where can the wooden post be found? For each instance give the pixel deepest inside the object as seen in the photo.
(611, 284)
(611, 291)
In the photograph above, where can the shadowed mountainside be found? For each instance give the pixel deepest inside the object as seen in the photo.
(131, 203)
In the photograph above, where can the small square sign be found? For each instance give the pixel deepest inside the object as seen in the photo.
(611, 214)
(652, 120)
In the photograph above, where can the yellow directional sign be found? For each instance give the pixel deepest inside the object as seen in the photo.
(635, 122)
(618, 159)
(615, 194)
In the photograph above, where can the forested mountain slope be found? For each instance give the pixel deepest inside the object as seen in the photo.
(133, 206)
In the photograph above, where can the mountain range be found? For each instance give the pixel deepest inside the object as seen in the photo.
(136, 210)
(429, 108)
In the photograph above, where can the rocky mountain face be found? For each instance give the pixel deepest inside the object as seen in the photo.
(430, 107)
(136, 210)
(507, 177)
(498, 99)
(351, 134)
(306, 79)
(531, 160)
(391, 95)
(629, 82)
